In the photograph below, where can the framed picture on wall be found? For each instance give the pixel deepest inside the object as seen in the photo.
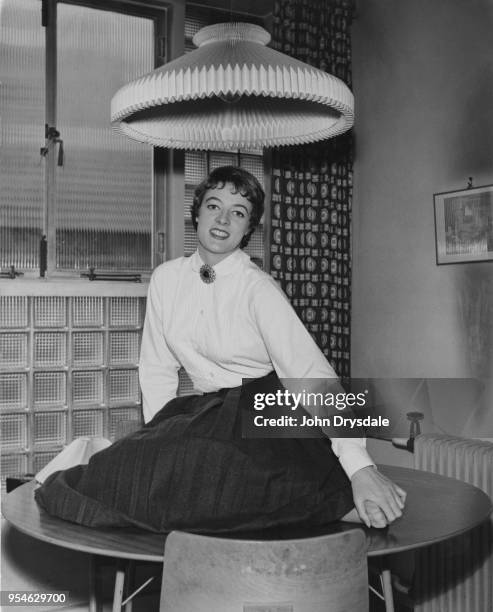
(464, 225)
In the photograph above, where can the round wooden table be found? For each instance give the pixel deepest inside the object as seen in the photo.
(437, 508)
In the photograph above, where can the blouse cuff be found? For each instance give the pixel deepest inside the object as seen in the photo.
(352, 454)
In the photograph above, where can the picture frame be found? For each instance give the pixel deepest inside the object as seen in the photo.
(464, 225)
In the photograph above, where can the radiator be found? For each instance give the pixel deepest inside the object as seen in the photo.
(457, 575)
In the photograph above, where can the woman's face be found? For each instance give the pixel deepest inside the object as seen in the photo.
(223, 219)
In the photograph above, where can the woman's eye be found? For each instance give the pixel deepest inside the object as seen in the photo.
(212, 206)
(238, 213)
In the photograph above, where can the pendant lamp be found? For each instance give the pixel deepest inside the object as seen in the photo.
(233, 92)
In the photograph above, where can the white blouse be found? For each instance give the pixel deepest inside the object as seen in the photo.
(239, 326)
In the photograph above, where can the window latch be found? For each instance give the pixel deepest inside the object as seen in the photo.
(12, 273)
(52, 136)
(111, 276)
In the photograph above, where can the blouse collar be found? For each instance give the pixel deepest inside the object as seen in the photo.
(226, 266)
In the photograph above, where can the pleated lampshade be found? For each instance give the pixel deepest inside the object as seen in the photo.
(233, 92)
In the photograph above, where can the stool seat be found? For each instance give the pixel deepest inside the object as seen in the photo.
(212, 574)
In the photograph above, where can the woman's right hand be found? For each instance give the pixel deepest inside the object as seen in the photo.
(378, 500)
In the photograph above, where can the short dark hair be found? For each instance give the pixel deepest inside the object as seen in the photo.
(244, 183)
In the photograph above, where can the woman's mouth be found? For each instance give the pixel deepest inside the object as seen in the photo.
(219, 233)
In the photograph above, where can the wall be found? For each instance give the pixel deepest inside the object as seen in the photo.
(423, 83)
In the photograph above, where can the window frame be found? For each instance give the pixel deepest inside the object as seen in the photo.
(168, 20)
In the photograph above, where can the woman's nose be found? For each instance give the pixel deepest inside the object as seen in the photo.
(223, 217)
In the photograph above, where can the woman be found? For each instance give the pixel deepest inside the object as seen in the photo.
(225, 321)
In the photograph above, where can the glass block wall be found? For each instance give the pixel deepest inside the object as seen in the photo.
(68, 368)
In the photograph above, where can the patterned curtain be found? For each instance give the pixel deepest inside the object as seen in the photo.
(312, 187)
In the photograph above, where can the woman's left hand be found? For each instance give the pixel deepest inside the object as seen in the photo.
(378, 500)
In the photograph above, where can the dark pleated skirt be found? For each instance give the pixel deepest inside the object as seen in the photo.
(191, 469)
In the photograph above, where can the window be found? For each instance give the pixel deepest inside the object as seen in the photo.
(104, 190)
(89, 190)
(22, 100)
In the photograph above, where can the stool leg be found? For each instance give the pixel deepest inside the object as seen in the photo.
(387, 590)
(119, 586)
(94, 605)
(129, 584)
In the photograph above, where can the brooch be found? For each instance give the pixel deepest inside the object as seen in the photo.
(207, 273)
